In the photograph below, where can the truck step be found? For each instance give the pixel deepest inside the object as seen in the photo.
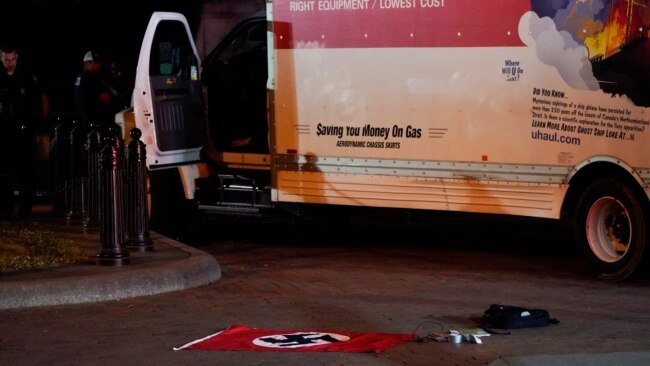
(232, 194)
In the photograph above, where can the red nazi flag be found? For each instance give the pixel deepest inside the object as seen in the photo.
(242, 338)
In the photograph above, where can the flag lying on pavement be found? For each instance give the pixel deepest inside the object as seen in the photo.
(241, 338)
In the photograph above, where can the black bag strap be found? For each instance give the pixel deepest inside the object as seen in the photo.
(498, 332)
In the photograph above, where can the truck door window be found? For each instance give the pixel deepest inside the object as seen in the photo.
(176, 90)
(172, 53)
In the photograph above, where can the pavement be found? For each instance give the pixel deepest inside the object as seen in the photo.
(174, 266)
(170, 266)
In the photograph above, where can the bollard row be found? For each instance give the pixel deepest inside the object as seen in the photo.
(99, 182)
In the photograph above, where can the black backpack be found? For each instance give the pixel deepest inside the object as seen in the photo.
(514, 317)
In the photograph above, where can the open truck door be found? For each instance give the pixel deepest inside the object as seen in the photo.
(167, 97)
(167, 107)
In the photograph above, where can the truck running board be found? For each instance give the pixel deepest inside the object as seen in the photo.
(232, 195)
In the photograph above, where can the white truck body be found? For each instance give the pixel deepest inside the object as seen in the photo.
(509, 107)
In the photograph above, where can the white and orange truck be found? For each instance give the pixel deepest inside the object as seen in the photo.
(507, 107)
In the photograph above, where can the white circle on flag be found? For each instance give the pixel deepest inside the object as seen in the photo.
(299, 339)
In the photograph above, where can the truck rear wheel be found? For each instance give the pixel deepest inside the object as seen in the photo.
(610, 229)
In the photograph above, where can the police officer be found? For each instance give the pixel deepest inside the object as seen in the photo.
(23, 101)
(92, 93)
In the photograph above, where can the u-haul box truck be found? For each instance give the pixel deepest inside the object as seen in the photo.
(502, 107)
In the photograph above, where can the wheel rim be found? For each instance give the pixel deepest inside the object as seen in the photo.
(609, 230)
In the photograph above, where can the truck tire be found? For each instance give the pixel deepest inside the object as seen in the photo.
(610, 230)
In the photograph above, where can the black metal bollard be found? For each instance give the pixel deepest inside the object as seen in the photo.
(111, 198)
(136, 187)
(93, 156)
(77, 171)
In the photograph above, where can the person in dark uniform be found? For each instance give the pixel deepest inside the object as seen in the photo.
(92, 93)
(23, 101)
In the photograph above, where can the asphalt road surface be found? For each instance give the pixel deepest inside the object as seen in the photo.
(377, 276)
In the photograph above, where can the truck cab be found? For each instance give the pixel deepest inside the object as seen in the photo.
(204, 122)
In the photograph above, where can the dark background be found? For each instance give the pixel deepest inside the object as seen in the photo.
(52, 36)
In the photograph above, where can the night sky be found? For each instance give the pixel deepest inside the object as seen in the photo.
(53, 35)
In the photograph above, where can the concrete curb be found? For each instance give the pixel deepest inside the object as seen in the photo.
(190, 268)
